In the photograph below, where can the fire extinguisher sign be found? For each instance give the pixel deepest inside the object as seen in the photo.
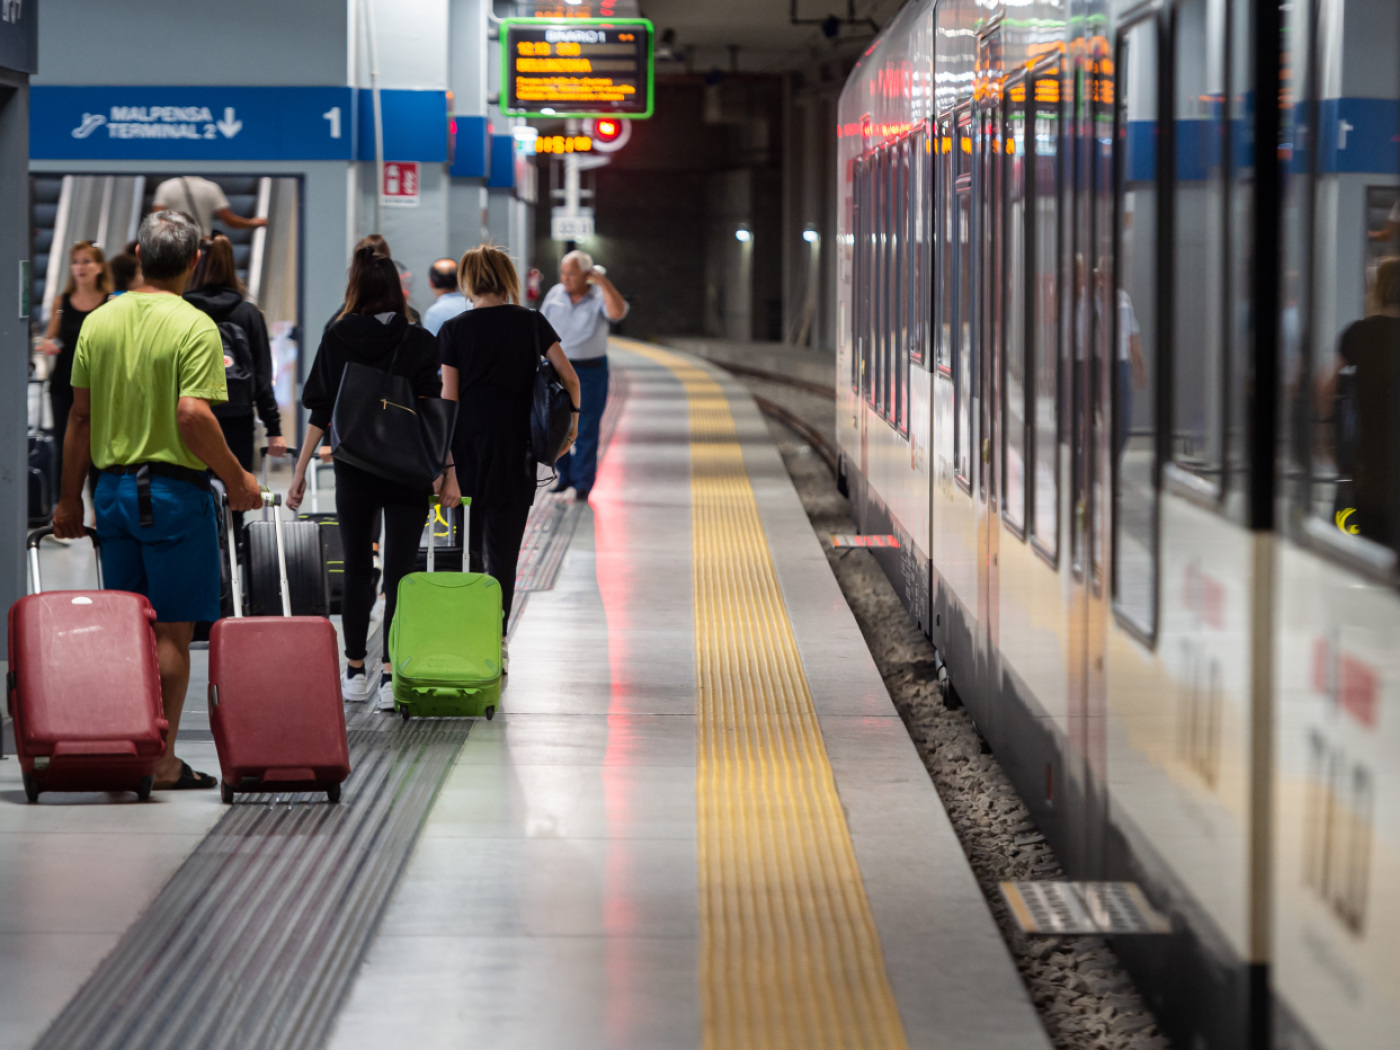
(400, 187)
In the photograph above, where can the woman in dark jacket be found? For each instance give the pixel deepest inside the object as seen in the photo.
(371, 330)
(489, 358)
(216, 289)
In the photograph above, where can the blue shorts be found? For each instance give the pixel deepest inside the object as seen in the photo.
(175, 562)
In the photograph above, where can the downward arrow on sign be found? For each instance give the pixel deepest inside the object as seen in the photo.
(230, 125)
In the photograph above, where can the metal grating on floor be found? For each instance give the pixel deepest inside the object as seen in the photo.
(1083, 908)
(255, 940)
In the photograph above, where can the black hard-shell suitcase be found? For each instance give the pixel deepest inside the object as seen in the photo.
(43, 476)
(305, 569)
(332, 556)
(449, 534)
(332, 550)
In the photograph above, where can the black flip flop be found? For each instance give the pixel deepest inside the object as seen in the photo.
(190, 781)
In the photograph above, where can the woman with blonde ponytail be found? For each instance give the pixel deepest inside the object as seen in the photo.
(489, 358)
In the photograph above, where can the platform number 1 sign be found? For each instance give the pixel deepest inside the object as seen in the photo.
(400, 183)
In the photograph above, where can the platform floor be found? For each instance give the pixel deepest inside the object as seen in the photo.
(698, 820)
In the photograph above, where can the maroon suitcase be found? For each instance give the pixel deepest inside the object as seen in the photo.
(274, 697)
(84, 687)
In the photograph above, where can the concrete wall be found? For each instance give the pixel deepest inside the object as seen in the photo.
(668, 204)
(134, 42)
(412, 49)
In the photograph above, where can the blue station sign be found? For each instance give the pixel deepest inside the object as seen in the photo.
(232, 123)
(191, 123)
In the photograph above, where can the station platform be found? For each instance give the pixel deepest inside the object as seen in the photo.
(697, 821)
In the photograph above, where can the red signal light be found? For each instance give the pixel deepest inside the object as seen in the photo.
(607, 130)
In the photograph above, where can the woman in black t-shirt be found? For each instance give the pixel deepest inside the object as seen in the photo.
(489, 358)
(89, 284)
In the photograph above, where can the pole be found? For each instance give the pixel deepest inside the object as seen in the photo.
(367, 6)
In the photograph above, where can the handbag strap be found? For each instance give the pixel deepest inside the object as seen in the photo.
(394, 357)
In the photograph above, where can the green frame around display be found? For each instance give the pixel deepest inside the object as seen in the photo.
(566, 23)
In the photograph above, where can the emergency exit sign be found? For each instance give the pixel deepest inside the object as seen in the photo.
(400, 183)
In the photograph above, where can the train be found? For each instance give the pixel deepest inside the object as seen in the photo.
(1118, 324)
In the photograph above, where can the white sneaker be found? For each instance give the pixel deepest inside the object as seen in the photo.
(505, 658)
(358, 689)
(386, 696)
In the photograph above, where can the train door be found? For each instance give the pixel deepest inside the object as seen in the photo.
(1090, 324)
(989, 173)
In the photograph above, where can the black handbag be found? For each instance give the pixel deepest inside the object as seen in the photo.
(379, 426)
(551, 411)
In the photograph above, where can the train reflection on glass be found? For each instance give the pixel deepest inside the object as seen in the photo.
(1119, 364)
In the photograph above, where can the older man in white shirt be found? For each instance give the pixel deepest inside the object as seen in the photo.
(580, 308)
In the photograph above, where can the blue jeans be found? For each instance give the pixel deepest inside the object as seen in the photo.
(579, 468)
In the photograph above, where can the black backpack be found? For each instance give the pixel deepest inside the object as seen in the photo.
(238, 372)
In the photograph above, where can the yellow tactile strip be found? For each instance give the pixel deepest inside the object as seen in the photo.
(790, 953)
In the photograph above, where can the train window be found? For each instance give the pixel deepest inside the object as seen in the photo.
(1045, 327)
(1345, 256)
(919, 245)
(989, 303)
(944, 216)
(1199, 245)
(907, 255)
(880, 273)
(858, 272)
(899, 250)
(1134, 427)
(889, 289)
(1015, 317)
(963, 357)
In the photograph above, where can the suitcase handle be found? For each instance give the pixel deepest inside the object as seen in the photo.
(37, 536)
(291, 455)
(274, 500)
(466, 531)
(235, 582)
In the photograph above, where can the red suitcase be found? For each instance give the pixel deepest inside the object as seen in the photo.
(274, 696)
(84, 687)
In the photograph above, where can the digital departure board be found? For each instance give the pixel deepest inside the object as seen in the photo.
(576, 67)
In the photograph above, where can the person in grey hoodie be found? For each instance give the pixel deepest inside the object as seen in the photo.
(216, 289)
(371, 329)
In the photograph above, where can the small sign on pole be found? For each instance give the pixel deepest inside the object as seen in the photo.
(571, 227)
(400, 187)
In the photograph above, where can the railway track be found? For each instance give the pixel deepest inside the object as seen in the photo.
(789, 419)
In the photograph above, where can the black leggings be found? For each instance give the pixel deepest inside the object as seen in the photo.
(359, 499)
(494, 543)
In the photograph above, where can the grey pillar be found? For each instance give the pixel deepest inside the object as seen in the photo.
(14, 335)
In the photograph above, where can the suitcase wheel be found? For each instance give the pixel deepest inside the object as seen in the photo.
(226, 790)
(333, 793)
(403, 713)
(31, 787)
(143, 789)
(490, 713)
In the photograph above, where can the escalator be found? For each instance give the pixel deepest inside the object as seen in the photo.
(242, 192)
(108, 209)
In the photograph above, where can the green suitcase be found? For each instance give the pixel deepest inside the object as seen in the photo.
(445, 644)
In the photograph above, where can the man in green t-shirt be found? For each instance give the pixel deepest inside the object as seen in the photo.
(146, 369)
